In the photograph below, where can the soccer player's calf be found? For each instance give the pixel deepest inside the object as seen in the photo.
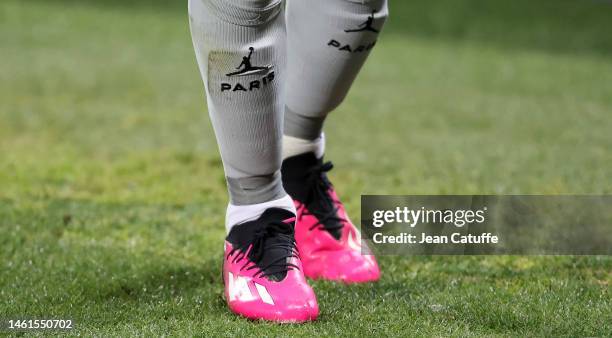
(240, 48)
(328, 41)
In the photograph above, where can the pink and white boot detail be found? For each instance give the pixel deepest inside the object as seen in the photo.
(329, 243)
(262, 271)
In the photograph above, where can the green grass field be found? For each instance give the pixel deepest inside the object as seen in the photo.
(112, 194)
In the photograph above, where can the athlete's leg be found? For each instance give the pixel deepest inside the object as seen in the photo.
(328, 42)
(245, 108)
(240, 48)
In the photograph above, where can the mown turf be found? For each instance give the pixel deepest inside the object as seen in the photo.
(112, 194)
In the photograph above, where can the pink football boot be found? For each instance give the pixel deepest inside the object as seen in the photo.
(329, 243)
(262, 271)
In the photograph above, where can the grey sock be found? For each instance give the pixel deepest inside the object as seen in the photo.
(328, 42)
(240, 48)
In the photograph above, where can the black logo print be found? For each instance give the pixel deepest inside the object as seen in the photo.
(345, 47)
(366, 26)
(248, 68)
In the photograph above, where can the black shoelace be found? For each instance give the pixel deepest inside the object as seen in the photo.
(319, 202)
(270, 251)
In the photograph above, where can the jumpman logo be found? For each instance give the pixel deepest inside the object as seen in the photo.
(247, 67)
(366, 26)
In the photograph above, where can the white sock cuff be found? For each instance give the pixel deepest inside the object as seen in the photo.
(237, 214)
(293, 146)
